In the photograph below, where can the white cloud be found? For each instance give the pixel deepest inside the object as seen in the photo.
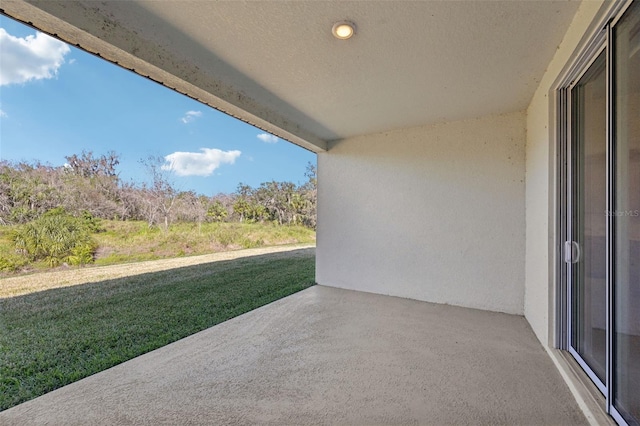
(202, 163)
(30, 58)
(3, 114)
(267, 138)
(189, 116)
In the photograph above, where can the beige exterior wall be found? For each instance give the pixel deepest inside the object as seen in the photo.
(539, 301)
(431, 213)
(441, 213)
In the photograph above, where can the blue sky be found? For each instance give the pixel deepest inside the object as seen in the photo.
(56, 100)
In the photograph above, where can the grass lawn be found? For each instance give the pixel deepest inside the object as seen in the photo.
(54, 337)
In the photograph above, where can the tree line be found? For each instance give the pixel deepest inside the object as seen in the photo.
(89, 185)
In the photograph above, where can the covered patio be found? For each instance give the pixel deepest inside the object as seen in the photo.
(328, 356)
(445, 147)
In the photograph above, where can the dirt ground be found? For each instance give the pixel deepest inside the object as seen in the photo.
(15, 286)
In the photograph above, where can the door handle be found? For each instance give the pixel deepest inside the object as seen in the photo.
(572, 252)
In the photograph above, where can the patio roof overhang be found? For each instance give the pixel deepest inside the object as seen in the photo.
(276, 64)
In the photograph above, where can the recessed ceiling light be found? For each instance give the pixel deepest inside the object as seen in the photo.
(343, 30)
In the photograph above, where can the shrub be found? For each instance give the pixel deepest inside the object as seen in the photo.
(94, 224)
(56, 237)
(11, 263)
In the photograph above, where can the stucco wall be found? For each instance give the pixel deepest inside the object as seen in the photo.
(539, 303)
(431, 213)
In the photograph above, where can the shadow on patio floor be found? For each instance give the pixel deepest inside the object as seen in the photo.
(328, 356)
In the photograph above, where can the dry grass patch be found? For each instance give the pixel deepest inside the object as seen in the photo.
(25, 284)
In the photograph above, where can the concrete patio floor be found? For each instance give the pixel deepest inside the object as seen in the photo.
(328, 356)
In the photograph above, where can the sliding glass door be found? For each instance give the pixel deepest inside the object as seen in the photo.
(589, 197)
(626, 297)
(600, 107)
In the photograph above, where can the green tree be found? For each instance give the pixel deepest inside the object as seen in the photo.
(217, 212)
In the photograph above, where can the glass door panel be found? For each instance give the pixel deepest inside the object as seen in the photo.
(626, 306)
(588, 219)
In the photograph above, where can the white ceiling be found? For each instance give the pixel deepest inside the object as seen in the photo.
(276, 64)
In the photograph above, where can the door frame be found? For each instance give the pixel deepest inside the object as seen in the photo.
(591, 47)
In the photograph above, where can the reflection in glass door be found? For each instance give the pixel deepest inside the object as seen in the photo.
(588, 221)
